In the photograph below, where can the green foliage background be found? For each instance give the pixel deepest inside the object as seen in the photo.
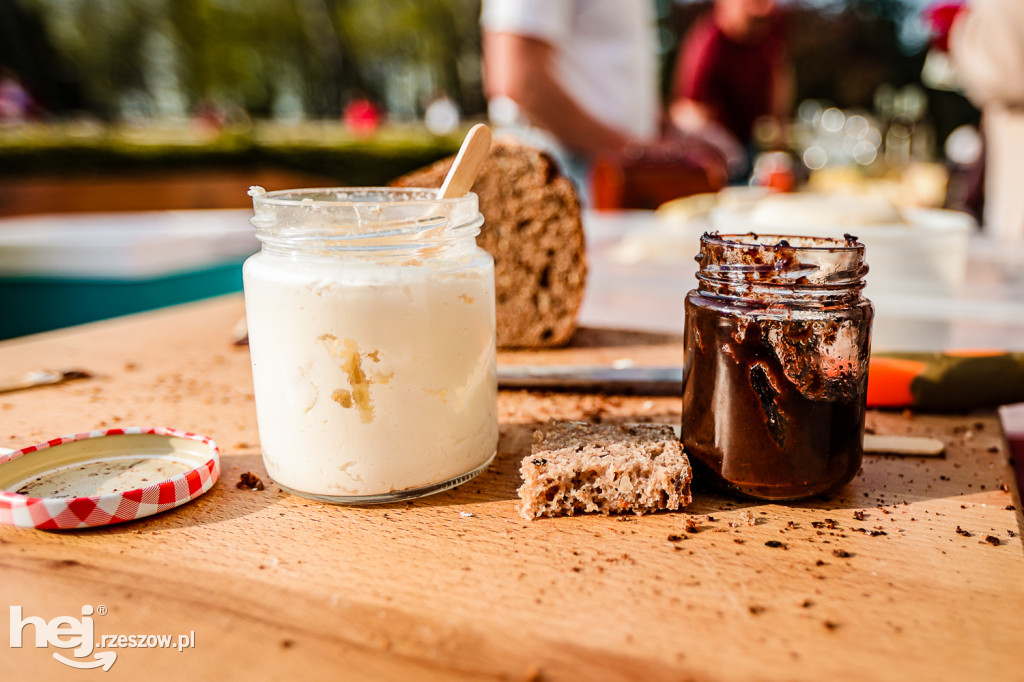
(143, 60)
(238, 53)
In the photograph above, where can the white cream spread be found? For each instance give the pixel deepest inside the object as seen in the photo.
(371, 378)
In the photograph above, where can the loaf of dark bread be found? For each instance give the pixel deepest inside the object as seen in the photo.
(532, 227)
(580, 467)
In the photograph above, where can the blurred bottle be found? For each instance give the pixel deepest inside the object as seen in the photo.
(965, 152)
(910, 135)
(775, 171)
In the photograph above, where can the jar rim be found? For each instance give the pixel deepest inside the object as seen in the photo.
(752, 240)
(339, 197)
(780, 267)
(362, 219)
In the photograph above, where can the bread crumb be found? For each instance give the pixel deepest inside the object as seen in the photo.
(249, 481)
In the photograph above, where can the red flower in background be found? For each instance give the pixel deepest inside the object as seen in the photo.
(361, 117)
(939, 18)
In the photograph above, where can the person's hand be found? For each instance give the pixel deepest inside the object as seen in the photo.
(691, 121)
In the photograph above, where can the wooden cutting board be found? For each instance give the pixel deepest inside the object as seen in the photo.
(876, 583)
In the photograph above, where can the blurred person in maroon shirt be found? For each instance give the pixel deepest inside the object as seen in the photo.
(733, 68)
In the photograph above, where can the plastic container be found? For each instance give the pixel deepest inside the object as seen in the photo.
(61, 270)
(911, 250)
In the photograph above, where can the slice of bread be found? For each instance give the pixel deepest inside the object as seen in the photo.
(580, 467)
(532, 227)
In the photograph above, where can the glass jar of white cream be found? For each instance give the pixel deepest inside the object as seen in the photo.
(371, 332)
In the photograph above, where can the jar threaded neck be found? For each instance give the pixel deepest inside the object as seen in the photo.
(781, 269)
(380, 222)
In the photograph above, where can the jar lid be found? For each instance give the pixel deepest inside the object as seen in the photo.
(104, 477)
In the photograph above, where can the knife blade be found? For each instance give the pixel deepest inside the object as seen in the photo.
(44, 377)
(646, 380)
(950, 381)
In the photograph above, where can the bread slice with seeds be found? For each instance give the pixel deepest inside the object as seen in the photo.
(577, 467)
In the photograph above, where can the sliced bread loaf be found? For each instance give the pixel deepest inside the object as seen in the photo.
(532, 227)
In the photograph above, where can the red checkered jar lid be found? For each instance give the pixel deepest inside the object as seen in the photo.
(104, 477)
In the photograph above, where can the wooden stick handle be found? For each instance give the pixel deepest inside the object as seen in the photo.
(467, 163)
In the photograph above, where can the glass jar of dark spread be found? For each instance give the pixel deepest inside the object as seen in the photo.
(777, 339)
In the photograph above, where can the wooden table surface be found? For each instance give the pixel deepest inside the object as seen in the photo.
(278, 587)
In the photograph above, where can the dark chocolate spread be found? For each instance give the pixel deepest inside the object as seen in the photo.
(777, 343)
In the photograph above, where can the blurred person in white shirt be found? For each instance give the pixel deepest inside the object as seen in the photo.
(575, 77)
(986, 44)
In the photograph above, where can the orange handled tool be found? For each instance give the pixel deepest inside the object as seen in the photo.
(952, 380)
